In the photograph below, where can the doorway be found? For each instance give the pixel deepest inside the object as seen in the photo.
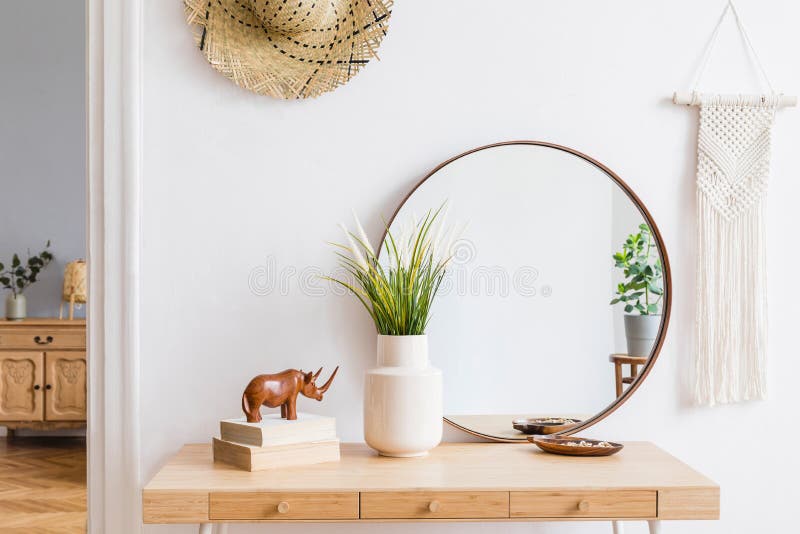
(43, 363)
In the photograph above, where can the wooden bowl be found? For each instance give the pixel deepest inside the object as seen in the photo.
(558, 445)
(543, 425)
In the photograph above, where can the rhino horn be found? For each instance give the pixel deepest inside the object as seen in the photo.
(327, 384)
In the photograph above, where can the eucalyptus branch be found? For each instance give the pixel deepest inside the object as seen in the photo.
(19, 276)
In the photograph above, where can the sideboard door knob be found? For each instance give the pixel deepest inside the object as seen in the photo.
(37, 387)
(38, 340)
(283, 507)
(434, 506)
(48, 386)
(583, 506)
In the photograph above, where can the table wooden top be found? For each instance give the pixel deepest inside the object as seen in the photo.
(42, 322)
(451, 466)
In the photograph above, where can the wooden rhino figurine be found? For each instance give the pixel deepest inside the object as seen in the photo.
(281, 389)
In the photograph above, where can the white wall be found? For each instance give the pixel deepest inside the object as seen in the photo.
(42, 140)
(232, 179)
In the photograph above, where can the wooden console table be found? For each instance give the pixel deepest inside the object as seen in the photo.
(457, 482)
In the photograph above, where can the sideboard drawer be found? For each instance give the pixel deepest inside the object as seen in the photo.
(268, 505)
(42, 339)
(587, 504)
(434, 505)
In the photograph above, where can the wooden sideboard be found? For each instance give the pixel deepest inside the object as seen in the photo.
(455, 482)
(42, 374)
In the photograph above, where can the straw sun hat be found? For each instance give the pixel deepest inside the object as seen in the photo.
(289, 48)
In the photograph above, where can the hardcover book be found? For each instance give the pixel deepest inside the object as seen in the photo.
(252, 458)
(272, 430)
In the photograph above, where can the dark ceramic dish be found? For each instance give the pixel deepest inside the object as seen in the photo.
(544, 425)
(559, 445)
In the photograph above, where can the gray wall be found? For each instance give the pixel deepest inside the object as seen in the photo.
(42, 138)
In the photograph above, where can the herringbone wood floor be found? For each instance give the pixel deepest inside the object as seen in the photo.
(43, 485)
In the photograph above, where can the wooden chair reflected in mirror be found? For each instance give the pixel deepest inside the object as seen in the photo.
(620, 360)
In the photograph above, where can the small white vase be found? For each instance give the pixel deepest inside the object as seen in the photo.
(403, 399)
(641, 332)
(16, 307)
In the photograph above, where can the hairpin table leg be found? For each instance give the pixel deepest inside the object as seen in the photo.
(205, 528)
(618, 528)
(655, 526)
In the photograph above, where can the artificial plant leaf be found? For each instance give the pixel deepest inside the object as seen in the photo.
(654, 289)
(15, 262)
(628, 308)
(652, 308)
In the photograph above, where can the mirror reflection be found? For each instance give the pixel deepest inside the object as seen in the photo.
(552, 303)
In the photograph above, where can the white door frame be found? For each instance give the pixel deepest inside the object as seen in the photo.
(114, 162)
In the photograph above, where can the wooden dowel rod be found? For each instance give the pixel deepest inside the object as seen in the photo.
(687, 99)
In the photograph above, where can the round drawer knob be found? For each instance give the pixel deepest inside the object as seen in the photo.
(434, 506)
(583, 506)
(283, 507)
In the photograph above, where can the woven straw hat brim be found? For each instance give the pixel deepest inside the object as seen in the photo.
(300, 65)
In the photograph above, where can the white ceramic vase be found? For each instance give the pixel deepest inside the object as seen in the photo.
(403, 399)
(16, 307)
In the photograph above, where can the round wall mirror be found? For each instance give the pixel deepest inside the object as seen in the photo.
(524, 329)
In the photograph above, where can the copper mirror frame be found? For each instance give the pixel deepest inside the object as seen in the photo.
(662, 252)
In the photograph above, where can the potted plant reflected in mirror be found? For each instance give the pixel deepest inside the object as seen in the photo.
(641, 290)
(18, 276)
(403, 394)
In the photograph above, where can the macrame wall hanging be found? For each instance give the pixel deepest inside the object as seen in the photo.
(733, 157)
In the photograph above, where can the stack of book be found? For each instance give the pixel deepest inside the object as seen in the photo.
(276, 442)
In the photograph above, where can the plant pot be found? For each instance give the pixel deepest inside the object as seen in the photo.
(16, 307)
(641, 332)
(403, 399)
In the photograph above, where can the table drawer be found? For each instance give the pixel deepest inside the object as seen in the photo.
(282, 506)
(42, 339)
(586, 504)
(434, 505)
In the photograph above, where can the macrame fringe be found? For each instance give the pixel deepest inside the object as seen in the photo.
(731, 305)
